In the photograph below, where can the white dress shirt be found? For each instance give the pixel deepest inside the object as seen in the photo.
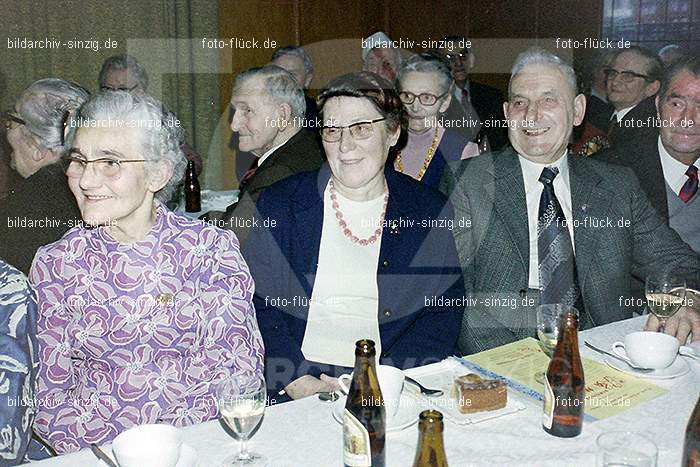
(674, 170)
(620, 114)
(533, 192)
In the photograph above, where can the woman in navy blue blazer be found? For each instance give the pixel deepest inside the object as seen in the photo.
(353, 250)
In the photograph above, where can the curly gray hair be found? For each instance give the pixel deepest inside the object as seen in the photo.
(428, 63)
(46, 106)
(161, 135)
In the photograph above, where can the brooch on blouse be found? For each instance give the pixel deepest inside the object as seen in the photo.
(164, 299)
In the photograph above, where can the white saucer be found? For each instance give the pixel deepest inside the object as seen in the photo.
(677, 368)
(407, 414)
(188, 457)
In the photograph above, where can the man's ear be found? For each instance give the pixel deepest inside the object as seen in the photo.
(652, 88)
(446, 104)
(579, 109)
(284, 116)
(159, 174)
(657, 103)
(505, 109)
(470, 61)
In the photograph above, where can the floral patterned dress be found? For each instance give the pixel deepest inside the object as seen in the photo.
(18, 364)
(134, 334)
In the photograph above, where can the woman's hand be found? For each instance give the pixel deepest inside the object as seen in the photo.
(309, 385)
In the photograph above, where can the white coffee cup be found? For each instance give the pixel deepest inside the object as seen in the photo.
(154, 445)
(390, 382)
(646, 349)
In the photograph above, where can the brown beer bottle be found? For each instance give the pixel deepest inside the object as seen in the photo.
(364, 419)
(431, 450)
(691, 448)
(192, 196)
(564, 386)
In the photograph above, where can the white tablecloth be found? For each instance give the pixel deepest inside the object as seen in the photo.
(303, 433)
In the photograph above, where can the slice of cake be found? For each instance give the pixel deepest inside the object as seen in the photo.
(474, 394)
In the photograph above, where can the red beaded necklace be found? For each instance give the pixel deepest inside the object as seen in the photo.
(344, 225)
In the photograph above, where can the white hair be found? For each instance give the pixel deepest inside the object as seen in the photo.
(540, 56)
(161, 135)
(46, 106)
(295, 51)
(279, 85)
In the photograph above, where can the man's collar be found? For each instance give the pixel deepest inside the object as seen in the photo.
(620, 114)
(533, 170)
(269, 152)
(673, 169)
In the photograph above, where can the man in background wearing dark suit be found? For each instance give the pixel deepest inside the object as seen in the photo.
(667, 163)
(537, 225)
(470, 96)
(296, 61)
(598, 109)
(633, 79)
(268, 117)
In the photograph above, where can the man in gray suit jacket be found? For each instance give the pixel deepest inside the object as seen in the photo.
(537, 225)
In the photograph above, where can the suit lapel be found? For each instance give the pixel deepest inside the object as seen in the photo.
(587, 201)
(509, 200)
(308, 218)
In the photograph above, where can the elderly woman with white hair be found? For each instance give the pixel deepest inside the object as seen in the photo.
(142, 310)
(41, 208)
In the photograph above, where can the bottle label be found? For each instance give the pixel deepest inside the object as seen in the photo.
(548, 412)
(356, 448)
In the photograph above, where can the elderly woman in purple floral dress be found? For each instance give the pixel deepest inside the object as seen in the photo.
(142, 310)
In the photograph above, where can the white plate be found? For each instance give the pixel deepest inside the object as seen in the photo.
(448, 405)
(188, 457)
(410, 408)
(678, 368)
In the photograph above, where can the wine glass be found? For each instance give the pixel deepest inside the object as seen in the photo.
(241, 400)
(548, 317)
(665, 295)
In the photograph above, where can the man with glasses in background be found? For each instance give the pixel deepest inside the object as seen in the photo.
(474, 101)
(633, 79)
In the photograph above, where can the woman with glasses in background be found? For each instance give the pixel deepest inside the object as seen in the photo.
(353, 250)
(141, 311)
(41, 208)
(425, 89)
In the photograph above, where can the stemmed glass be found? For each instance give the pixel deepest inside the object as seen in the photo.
(241, 400)
(665, 295)
(548, 317)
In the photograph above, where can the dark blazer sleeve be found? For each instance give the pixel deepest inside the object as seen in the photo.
(266, 256)
(656, 245)
(438, 290)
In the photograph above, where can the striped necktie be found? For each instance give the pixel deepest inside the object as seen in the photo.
(557, 268)
(690, 187)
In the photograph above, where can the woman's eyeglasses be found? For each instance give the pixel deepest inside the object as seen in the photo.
(625, 76)
(425, 98)
(106, 166)
(359, 130)
(104, 87)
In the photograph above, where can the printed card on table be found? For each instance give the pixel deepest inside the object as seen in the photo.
(608, 392)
